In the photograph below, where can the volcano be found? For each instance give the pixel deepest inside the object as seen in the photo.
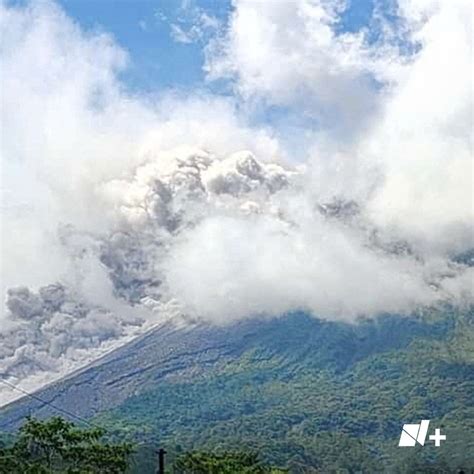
(306, 393)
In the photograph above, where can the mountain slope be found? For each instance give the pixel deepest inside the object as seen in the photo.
(303, 392)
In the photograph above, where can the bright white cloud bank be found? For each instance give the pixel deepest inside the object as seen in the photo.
(119, 211)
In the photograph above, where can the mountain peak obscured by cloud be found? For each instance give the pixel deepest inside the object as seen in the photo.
(120, 209)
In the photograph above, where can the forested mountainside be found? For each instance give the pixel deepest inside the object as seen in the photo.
(307, 394)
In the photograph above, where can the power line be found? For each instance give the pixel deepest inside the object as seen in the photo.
(161, 452)
(44, 402)
(62, 410)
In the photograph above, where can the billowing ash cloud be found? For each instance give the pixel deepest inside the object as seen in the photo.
(231, 237)
(45, 326)
(164, 202)
(121, 211)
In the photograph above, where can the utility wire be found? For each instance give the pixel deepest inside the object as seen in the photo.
(44, 402)
(64, 411)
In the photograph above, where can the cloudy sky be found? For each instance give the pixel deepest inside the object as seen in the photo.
(220, 160)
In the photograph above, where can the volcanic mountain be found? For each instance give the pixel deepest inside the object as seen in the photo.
(305, 393)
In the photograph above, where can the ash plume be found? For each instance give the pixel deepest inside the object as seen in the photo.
(120, 211)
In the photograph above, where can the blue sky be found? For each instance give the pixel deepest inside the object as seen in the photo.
(166, 40)
(144, 29)
(369, 121)
(158, 61)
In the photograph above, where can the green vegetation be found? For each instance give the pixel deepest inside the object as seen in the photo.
(200, 462)
(57, 446)
(305, 395)
(326, 399)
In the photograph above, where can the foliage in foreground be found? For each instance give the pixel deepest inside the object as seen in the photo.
(57, 446)
(201, 462)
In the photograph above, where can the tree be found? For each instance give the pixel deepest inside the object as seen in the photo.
(58, 446)
(200, 462)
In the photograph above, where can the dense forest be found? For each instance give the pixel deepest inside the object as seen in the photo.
(328, 400)
(306, 395)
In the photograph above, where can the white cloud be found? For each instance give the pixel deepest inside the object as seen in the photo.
(142, 202)
(232, 267)
(68, 126)
(290, 54)
(424, 137)
(413, 130)
(193, 24)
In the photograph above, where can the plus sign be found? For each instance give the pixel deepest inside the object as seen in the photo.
(438, 437)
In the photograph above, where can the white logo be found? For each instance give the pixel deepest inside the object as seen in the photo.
(412, 434)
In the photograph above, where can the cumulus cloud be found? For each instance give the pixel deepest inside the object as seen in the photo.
(400, 89)
(424, 136)
(291, 54)
(120, 211)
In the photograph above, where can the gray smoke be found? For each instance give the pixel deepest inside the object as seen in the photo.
(121, 211)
